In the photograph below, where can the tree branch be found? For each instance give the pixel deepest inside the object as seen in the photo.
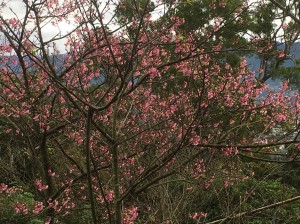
(242, 214)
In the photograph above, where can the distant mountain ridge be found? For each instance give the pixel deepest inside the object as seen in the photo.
(254, 63)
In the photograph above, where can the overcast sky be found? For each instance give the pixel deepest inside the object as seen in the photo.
(17, 8)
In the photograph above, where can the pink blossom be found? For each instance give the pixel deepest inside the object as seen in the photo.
(130, 215)
(52, 174)
(195, 140)
(153, 72)
(79, 139)
(281, 117)
(285, 26)
(20, 207)
(3, 187)
(197, 215)
(281, 54)
(40, 186)
(210, 95)
(39, 206)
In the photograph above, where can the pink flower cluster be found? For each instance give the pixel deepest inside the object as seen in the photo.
(130, 216)
(40, 186)
(198, 215)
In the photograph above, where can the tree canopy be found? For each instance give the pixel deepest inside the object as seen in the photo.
(137, 111)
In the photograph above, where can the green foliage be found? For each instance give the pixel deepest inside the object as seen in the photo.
(7, 208)
(35, 221)
(78, 216)
(259, 193)
(291, 73)
(200, 13)
(129, 10)
(264, 14)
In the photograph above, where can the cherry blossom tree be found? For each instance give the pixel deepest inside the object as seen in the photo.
(106, 123)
